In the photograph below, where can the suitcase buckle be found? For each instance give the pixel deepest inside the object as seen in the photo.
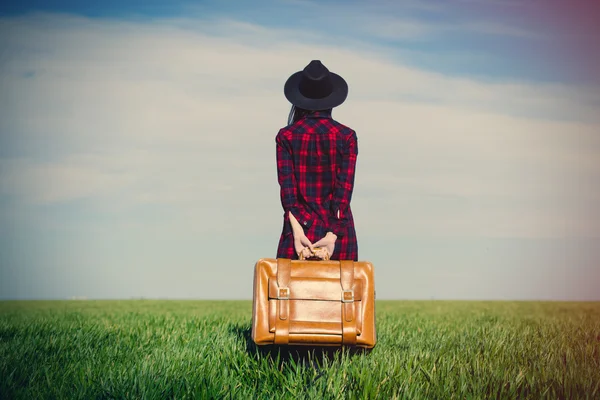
(347, 296)
(283, 293)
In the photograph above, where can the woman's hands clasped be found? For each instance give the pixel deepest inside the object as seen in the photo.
(305, 249)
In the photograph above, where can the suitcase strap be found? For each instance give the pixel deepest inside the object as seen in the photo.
(348, 320)
(282, 326)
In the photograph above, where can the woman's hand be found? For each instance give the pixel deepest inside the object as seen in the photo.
(301, 242)
(302, 245)
(328, 242)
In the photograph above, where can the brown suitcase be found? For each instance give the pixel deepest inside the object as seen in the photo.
(315, 303)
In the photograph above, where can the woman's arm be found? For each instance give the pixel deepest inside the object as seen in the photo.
(301, 242)
(287, 183)
(342, 194)
(344, 186)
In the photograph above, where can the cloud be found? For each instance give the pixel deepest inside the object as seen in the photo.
(409, 21)
(133, 153)
(147, 112)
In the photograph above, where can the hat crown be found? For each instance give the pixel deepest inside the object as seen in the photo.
(316, 70)
(316, 81)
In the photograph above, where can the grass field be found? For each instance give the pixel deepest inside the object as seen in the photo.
(202, 349)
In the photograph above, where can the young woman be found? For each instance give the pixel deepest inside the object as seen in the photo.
(316, 161)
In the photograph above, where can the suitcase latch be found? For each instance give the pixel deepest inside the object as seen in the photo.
(347, 296)
(283, 293)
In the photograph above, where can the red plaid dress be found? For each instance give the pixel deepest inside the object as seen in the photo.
(316, 161)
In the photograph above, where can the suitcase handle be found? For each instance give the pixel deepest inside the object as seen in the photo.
(317, 254)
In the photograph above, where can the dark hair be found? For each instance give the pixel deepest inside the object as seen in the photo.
(296, 113)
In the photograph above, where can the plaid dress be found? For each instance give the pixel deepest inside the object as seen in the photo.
(316, 161)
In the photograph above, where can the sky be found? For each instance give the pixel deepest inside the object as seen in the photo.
(137, 144)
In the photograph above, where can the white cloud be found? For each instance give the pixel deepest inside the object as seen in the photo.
(158, 114)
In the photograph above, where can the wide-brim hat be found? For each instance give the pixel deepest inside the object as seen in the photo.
(316, 88)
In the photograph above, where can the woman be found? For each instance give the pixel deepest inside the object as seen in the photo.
(316, 160)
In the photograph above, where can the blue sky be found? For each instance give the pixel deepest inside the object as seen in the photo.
(137, 144)
(488, 39)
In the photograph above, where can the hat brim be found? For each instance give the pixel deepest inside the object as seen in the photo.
(337, 96)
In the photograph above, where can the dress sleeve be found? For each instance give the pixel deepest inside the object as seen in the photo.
(344, 185)
(287, 184)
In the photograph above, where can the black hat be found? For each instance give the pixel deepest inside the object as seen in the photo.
(315, 88)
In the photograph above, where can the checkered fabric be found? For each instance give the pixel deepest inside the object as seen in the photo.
(316, 161)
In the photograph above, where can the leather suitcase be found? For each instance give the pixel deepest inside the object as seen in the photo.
(314, 303)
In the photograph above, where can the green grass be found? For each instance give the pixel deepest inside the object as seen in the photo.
(202, 349)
